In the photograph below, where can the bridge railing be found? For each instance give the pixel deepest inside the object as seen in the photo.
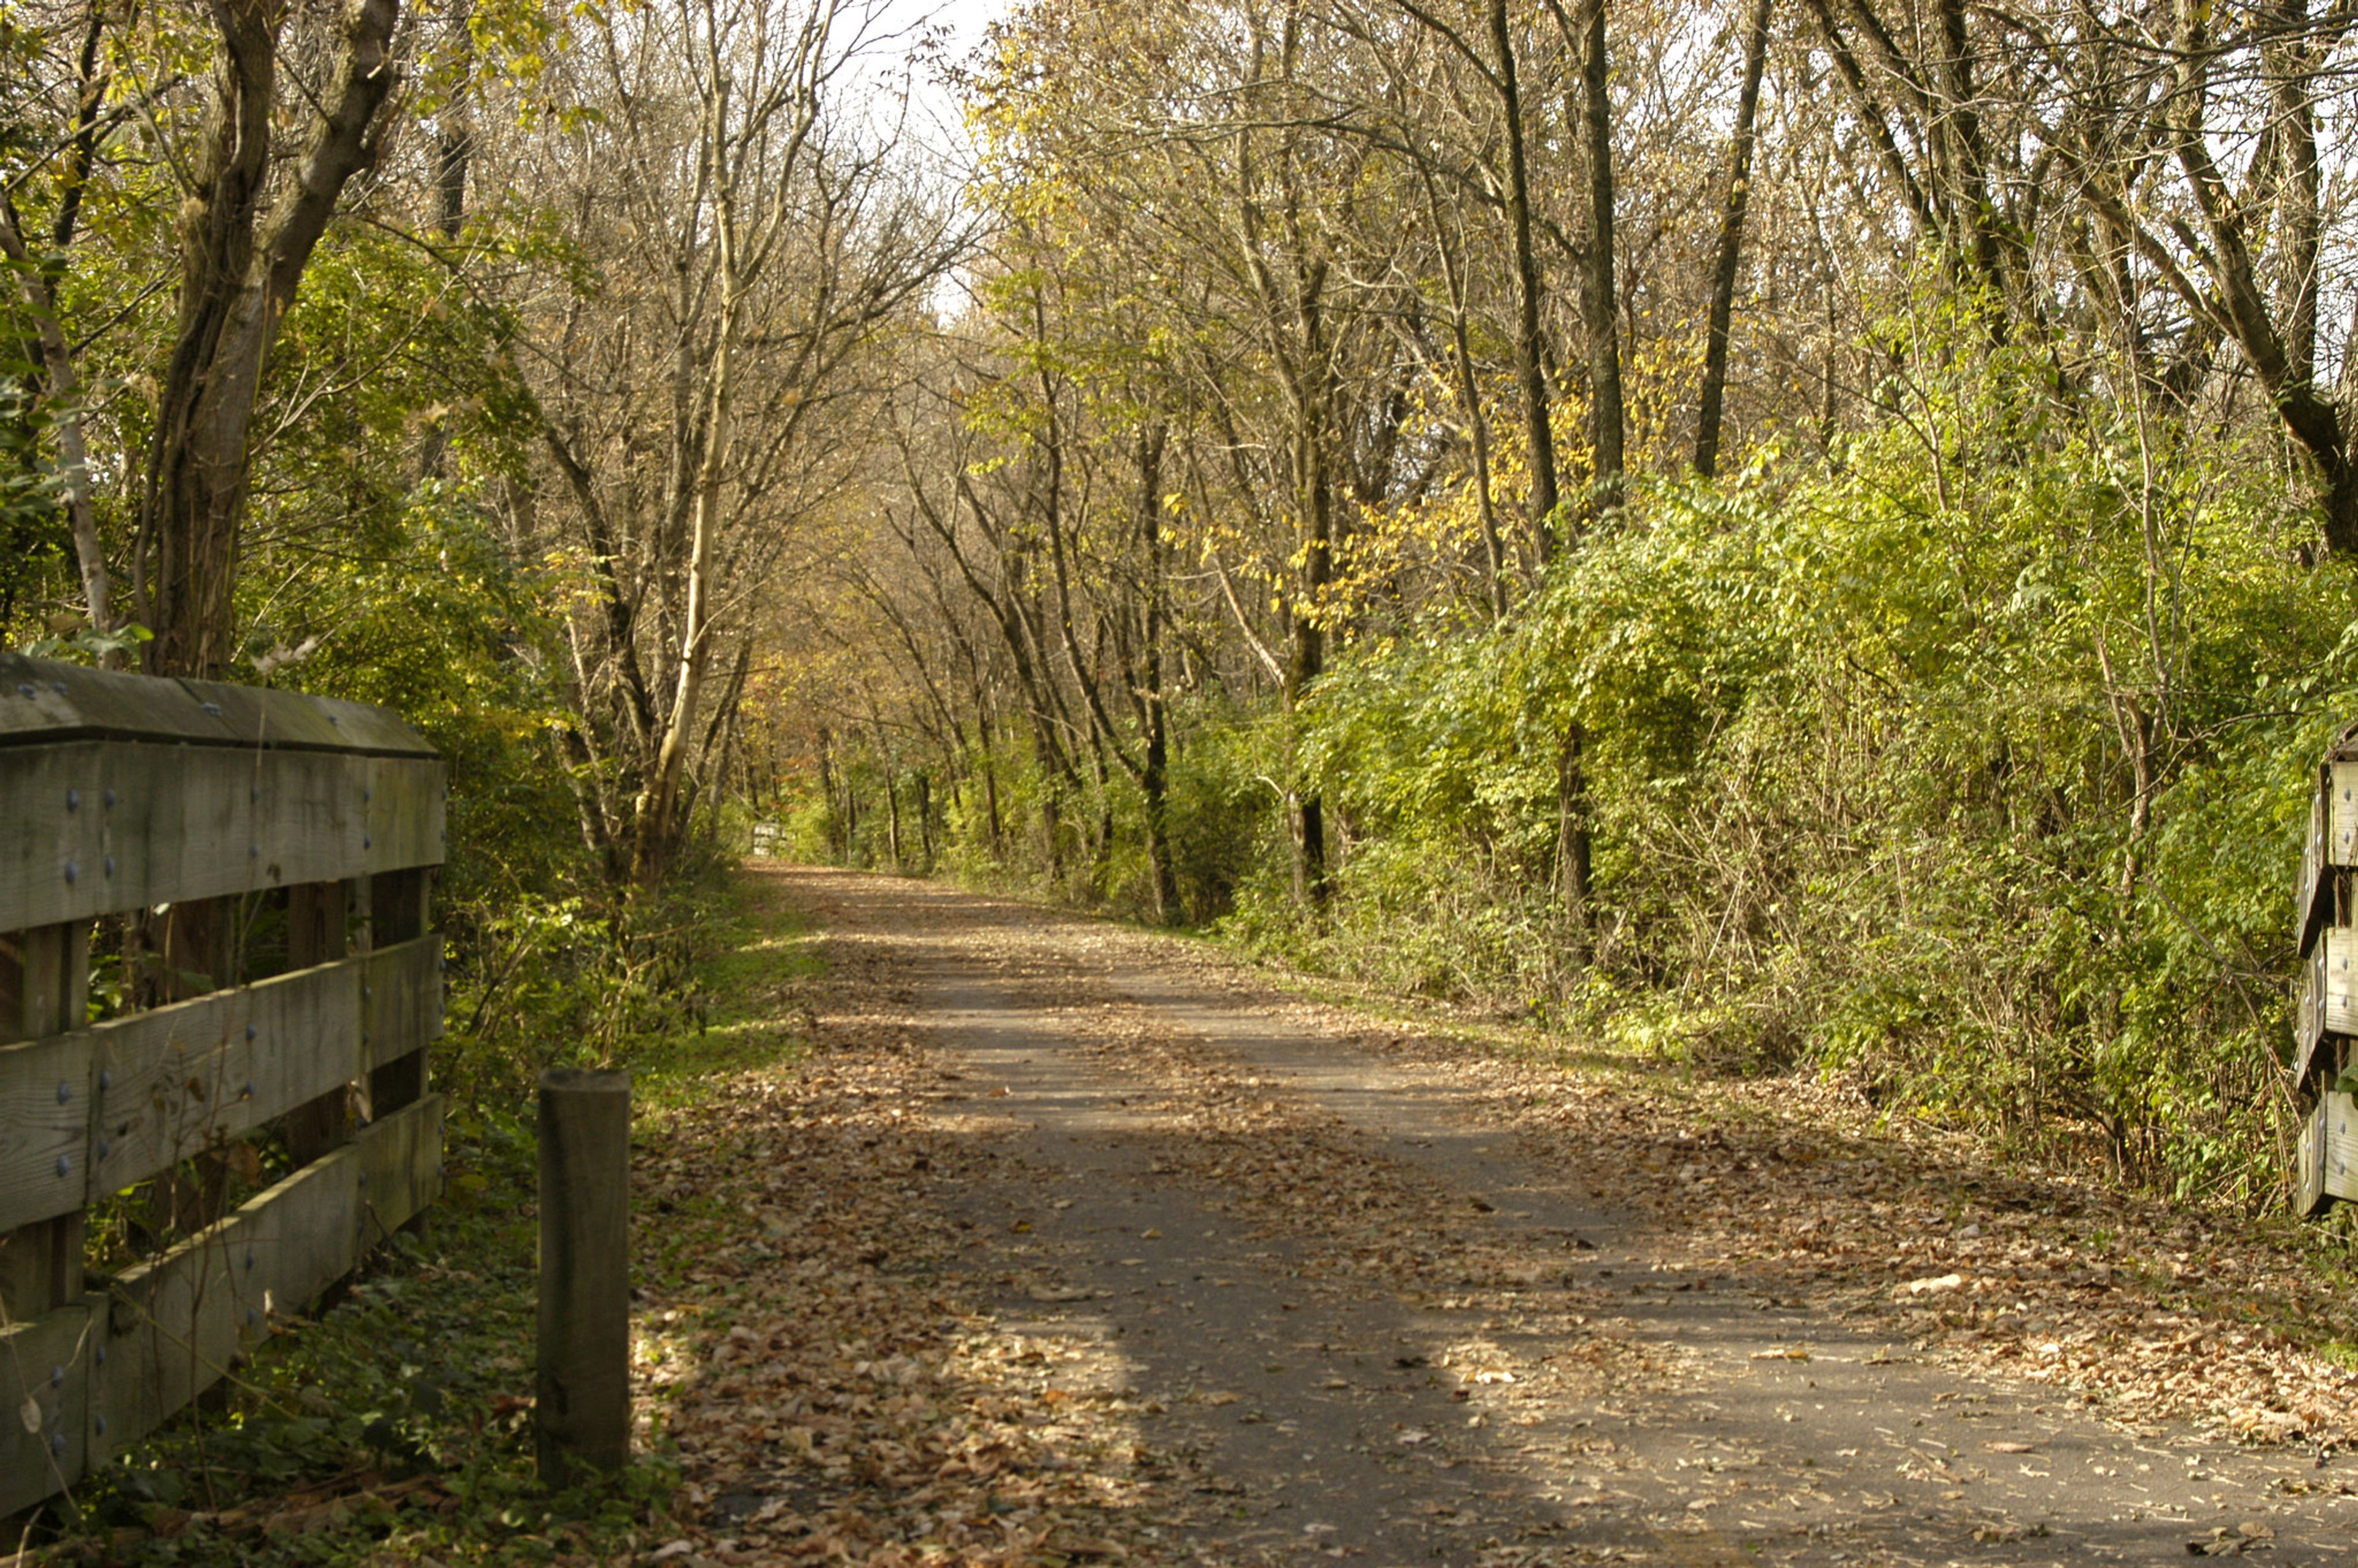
(243, 1112)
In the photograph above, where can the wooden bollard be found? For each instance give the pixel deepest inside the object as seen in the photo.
(581, 1414)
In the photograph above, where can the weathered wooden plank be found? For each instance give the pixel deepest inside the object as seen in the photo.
(319, 931)
(299, 1237)
(2313, 900)
(42, 699)
(401, 1168)
(581, 1411)
(44, 989)
(255, 716)
(178, 1321)
(259, 716)
(2341, 1010)
(379, 731)
(2340, 1145)
(2342, 812)
(45, 1361)
(44, 1128)
(175, 1080)
(2308, 1013)
(404, 805)
(172, 1330)
(2309, 1194)
(109, 826)
(401, 997)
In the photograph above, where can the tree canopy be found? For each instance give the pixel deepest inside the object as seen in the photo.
(1810, 534)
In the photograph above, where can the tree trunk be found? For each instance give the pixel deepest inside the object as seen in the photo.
(1574, 854)
(1604, 311)
(925, 820)
(1731, 241)
(236, 288)
(1154, 772)
(1539, 429)
(835, 839)
(1053, 779)
(990, 804)
(63, 395)
(659, 816)
(1307, 654)
(2314, 421)
(454, 147)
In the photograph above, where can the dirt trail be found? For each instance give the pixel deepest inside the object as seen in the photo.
(1317, 1291)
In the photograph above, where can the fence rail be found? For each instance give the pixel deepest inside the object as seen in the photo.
(244, 1114)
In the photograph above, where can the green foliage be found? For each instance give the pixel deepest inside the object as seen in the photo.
(1972, 767)
(1226, 830)
(1002, 819)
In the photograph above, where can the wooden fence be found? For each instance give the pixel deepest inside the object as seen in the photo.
(243, 1113)
(2325, 1015)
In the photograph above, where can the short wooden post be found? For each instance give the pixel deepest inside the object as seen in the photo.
(582, 1411)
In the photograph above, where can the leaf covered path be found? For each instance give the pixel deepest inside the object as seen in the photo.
(1069, 1243)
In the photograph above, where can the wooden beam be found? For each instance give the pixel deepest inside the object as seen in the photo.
(2341, 1010)
(2310, 1197)
(401, 1003)
(112, 827)
(177, 1079)
(2313, 901)
(2308, 1013)
(45, 1361)
(174, 801)
(319, 931)
(2342, 813)
(47, 980)
(175, 1323)
(2340, 1145)
(45, 1110)
(401, 997)
(42, 699)
(143, 1091)
(257, 716)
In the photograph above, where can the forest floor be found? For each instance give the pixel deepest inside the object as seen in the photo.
(1066, 1242)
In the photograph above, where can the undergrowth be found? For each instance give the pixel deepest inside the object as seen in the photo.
(394, 1424)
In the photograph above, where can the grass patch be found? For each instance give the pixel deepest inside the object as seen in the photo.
(754, 959)
(395, 1423)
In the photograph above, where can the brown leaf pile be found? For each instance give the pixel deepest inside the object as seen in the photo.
(840, 1391)
(829, 1399)
(2145, 1310)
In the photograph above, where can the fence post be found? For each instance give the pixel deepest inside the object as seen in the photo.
(582, 1411)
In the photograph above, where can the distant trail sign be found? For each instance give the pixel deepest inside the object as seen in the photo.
(2324, 1066)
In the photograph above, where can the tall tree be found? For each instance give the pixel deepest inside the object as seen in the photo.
(253, 212)
(1727, 262)
(751, 237)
